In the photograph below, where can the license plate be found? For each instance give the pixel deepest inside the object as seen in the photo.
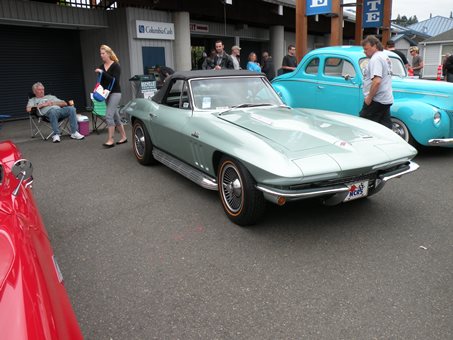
(357, 190)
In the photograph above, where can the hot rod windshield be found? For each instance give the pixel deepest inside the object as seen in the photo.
(398, 68)
(226, 92)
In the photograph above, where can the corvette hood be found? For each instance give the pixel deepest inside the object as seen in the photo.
(300, 130)
(344, 141)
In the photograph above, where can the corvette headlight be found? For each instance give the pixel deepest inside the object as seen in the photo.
(437, 117)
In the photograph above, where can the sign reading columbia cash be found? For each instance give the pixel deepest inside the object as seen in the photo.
(155, 30)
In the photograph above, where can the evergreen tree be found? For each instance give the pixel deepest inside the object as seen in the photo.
(405, 21)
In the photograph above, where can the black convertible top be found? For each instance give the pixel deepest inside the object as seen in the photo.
(185, 75)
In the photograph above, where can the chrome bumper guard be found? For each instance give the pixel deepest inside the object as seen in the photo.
(338, 193)
(440, 141)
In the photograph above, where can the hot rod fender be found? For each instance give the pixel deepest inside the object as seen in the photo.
(419, 119)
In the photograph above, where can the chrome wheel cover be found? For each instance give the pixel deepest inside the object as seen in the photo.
(400, 129)
(139, 141)
(231, 188)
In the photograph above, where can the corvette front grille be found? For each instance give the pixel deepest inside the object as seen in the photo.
(371, 177)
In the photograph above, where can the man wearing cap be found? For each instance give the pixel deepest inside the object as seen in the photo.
(235, 56)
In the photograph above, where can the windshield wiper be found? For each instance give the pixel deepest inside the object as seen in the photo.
(243, 105)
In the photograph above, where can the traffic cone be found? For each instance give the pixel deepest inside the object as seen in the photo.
(410, 72)
(439, 72)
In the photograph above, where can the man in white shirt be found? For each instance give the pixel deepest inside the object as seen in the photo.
(377, 83)
(235, 56)
(54, 109)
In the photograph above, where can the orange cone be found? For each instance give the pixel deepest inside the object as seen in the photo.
(439, 72)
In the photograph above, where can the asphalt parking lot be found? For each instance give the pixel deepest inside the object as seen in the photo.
(147, 254)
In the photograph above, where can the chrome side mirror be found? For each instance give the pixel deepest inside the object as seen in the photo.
(22, 170)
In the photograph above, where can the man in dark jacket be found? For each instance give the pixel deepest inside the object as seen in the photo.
(222, 60)
(448, 67)
(268, 66)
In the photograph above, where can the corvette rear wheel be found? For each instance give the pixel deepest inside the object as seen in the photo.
(142, 145)
(401, 130)
(242, 202)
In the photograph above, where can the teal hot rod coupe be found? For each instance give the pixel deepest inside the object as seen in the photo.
(229, 131)
(330, 78)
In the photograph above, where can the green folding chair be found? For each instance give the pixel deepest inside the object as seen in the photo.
(98, 112)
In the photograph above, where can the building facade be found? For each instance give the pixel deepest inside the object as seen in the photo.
(58, 45)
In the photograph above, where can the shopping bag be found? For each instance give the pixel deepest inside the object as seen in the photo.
(99, 93)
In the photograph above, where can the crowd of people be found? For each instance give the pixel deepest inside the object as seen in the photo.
(219, 59)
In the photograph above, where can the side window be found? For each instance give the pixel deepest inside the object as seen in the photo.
(185, 103)
(173, 96)
(338, 67)
(313, 66)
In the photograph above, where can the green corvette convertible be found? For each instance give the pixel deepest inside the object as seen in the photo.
(229, 131)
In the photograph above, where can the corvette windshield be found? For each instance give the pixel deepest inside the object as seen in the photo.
(225, 93)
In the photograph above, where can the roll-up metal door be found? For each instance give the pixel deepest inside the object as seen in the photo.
(31, 54)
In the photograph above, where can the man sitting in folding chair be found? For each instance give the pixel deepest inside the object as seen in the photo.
(55, 110)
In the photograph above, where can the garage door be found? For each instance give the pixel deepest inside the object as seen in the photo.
(32, 54)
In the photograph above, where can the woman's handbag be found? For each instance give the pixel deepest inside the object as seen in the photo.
(99, 93)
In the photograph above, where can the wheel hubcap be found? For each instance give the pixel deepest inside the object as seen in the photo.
(399, 130)
(231, 188)
(139, 141)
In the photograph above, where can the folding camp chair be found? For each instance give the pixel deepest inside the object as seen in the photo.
(98, 111)
(39, 122)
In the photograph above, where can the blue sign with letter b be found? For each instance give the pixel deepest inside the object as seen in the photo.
(372, 13)
(318, 7)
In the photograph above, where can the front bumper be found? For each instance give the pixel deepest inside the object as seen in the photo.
(440, 141)
(334, 194)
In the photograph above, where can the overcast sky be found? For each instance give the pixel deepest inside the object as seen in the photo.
(420, 8)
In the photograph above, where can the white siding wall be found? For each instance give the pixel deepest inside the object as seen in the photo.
(431, 58)
(403, 46)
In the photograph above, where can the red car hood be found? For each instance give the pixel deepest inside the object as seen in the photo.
(33, 301)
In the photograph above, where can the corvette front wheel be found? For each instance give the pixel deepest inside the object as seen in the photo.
(242, 202)
(142, 145)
